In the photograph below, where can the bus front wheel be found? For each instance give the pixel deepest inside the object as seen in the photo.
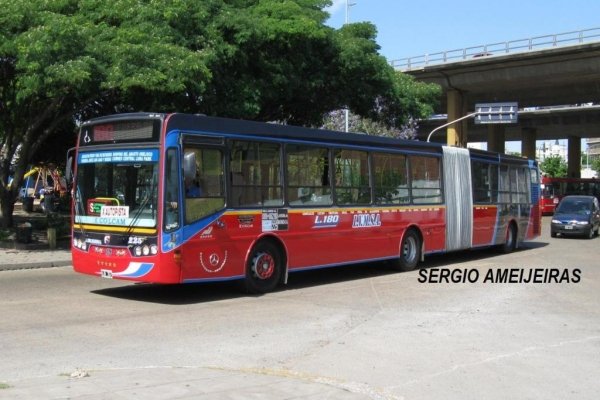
(264, 268)
(410, 251)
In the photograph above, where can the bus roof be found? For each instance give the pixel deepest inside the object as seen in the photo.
(203, 123)
(290, 132)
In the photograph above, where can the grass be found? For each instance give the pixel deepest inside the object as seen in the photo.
(4, 385)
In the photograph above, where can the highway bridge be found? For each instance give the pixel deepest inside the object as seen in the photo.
(555, 79)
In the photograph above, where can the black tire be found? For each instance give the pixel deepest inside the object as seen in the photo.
(510, 243)
(591, 234)
(552, 233)
(264, 268)
(410, 251)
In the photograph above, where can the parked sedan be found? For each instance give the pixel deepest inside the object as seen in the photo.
(576, 215)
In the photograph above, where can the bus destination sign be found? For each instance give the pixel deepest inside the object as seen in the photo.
(120, 131)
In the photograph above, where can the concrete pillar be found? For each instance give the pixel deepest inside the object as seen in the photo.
(574, 154)
(496, 140)
(456, 133)
(528, 138)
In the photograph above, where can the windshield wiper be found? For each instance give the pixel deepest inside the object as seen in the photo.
(143, 204)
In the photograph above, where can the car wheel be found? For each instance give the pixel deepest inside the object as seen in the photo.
(591, 233)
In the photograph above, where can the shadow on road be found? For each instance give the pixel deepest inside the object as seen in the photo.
(194, 293)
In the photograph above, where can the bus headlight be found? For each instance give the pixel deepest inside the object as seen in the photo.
(145, 250)
(154, 249)
(137, 251)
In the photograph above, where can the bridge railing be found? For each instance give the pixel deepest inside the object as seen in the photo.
(494, 49)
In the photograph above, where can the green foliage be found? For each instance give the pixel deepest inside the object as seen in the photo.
(554, 167)
(65, 61)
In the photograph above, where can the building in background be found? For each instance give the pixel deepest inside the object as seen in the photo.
(549, 148)
(593, 146)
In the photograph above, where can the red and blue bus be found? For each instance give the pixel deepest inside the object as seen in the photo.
(176, 198)
(554, 189)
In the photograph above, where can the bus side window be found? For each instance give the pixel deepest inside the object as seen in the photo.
(204, 193)
(352, 184)
(255, 174)
(480, 175)
(426, 185)
(390, 178)
(308, 182)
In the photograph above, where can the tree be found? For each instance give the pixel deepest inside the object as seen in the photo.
(336, 120)
(62, 62)
(554, 167)
(65, 61)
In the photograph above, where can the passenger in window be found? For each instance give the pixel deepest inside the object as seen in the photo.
(192, 188)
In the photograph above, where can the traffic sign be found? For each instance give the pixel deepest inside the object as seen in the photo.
(496, 113)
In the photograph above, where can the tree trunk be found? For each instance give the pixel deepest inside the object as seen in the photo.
(7, 206)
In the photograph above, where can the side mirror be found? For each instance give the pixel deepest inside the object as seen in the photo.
(70, 165)
(189, 165)
(69, 170)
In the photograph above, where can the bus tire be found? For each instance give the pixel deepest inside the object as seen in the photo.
(410, 251)
(264, 268)
(510, 242)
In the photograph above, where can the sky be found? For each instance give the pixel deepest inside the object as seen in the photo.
(409, 28)
(412, 28)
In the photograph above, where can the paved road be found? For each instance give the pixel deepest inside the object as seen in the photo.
(360, 332)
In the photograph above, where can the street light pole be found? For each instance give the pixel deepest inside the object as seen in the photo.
(347, 19)
(348, 5)
(451, 123)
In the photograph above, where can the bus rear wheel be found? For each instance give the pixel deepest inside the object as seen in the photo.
(410, 251)
(264, 268)
(510, 243)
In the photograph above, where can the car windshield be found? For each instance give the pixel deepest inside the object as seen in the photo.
(573, 206)
(117, 188)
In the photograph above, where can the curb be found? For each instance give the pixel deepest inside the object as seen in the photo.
(35, 265)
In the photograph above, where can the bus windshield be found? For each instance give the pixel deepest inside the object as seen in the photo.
(117, 188)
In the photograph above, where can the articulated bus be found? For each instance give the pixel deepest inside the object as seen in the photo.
(554, 189)
(175, 198)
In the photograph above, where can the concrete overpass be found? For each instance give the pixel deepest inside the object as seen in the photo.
(567, 75)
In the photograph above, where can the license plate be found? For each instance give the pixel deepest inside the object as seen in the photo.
(106, 273)
(569, 227)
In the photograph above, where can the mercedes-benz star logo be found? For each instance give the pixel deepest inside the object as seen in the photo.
(213, 259)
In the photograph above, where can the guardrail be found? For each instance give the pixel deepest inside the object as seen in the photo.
(513, 46)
